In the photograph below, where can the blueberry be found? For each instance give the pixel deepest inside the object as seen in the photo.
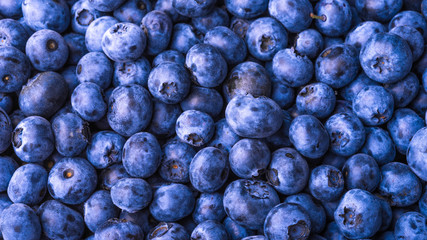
(141, 155)
(337, 65)
(133, 72)
(15, 69)
(287, 221)
(411, 225)
(288, 172)
(294, 15)
(228, 43)
(248, 202)
(95, 31)
(402, 127)
(130, 109)
(386, 58)
(209, 169)
(157, 27)
(419, 104)
(98, 209)
(309, 42)
(289, 58)
(72, 180)
(206, 64)
(209, 206)
(282, 94)
(47, 50)
(169, 56)
(379, 145)
(410, 18)
(28, 184)
(316, 99)
(246, 9)
(131, 194)
(217, 17)
(381, 11)
(172, 202)
(82, 15)
(120, 229)
(235, 231)
(194, 127)
(105, 149)
(105, 5)
(33, 140)
(165, 231)
(374, 105)
(253, 117)
(265, 37)
(43, 94)
(240, 26)
(169, 83)
(13, 34)
(95, 67)
(224, 138)
(88, 102)
(193, 8)
(399, 185)
(281, 138)
(249, 158)
(413, 37)
(133, 11)
(361, 171)
(176, 161)
(19, 221)
(5, 131)
(314, 210)
(7, 102)
(247, 78)
(46, 14)
(124, 42)
(206, 100)
(209, 230)
(416, 153)
(7, 168)
(358, 36)
(110, 175)
(346, 133)
(332, 18)
(184, 37)
(326, 183)
(309, 136)
(405, 90)
(358, 215)
(59, 221)
(386, 214)
(11, 8)
(164, 118)
(76, 46)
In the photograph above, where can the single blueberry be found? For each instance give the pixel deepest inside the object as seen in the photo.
(72, 180)
(131, 194)
(209, 169)
(141, 155)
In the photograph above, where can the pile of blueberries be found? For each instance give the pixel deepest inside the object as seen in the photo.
(213, 119)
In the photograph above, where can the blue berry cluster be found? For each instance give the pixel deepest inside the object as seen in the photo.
(213, 119)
